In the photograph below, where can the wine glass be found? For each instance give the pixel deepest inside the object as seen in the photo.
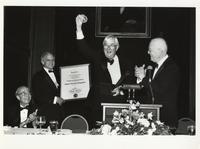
(53, 126)
(40, 120)
(191, 130)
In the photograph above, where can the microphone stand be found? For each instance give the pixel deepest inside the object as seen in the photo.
(151, 91)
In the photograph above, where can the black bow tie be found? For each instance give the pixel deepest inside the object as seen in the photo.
(51, 71)
(110, 61)
(155, 65)
(22, 108)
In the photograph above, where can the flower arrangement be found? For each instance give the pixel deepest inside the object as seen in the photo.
(132, 121)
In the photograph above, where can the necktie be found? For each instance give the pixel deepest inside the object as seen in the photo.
(22, 108)
(51, 71)
(155, 65)
(111, 61)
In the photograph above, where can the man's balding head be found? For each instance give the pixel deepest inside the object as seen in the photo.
(157, 49)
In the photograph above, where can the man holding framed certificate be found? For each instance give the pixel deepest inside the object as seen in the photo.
(45, 90)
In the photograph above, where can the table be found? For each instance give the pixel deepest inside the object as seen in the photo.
(34, 131)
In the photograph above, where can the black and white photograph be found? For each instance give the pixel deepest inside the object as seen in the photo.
(100, 73)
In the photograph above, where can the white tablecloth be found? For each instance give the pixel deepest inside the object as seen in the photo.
(33, 131)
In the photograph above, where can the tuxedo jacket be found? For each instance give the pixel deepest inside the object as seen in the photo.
(44, 91)
(14, 115)
(165, 88)
(102, 84)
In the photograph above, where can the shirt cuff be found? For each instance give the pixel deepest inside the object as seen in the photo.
(79, 35)
(55, 100)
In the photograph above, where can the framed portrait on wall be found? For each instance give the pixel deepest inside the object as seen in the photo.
(127, 22)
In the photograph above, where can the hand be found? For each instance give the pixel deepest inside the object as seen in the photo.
(22, 124)
(60, 100)
(116, 91)
(32, 116)
(140, 72)
(80, 19)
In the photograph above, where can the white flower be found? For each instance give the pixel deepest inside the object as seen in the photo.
(114, 132)
(150, 131)
(150, 116)
(159, 122)
(117, 128)
(129, 122)
(141, 115)
(127, 117)
(106, 129)
(121, 120)
(153, 126)
(126, 125)
(132, 107)
(137, 104)
(144, 122)
(116, 113)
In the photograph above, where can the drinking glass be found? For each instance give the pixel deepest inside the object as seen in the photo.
(40, 120)
(191, 130)
(53, 126)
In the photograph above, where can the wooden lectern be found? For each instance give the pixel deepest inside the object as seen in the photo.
(110, 108)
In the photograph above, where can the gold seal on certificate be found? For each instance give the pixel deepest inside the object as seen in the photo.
(75, 82)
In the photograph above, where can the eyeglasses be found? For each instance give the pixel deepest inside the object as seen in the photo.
(110, 46)
(23, 93)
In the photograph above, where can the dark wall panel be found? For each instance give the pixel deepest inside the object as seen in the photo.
(16, 52)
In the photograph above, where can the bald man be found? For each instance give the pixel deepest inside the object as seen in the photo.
(162, 84)
(45, 90)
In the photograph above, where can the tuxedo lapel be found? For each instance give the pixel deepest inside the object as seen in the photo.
(48, 79)
(106, 72)
(161, 67)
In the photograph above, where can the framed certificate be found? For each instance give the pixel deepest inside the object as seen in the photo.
(75, 82)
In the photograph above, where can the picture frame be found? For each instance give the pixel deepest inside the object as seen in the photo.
(123, 22)
(75, 81)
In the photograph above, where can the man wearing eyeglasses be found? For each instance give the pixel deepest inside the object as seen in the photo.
(108, 70)
(24, 114)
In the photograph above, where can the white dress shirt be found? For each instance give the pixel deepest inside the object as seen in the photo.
(53, 78)
(114, 70)
(23, 115)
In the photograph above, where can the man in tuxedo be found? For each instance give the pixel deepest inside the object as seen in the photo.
(161, 82)
(45, 90)
(108, 71)
(25, 113)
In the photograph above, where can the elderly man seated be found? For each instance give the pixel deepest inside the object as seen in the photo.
(24, 114)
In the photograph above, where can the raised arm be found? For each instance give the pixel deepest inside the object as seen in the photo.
(81, 42)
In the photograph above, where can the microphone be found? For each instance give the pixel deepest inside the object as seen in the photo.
(149, 72)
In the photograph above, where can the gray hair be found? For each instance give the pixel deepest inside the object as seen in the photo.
(113, 38)
(44, 54)
(19, 88)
